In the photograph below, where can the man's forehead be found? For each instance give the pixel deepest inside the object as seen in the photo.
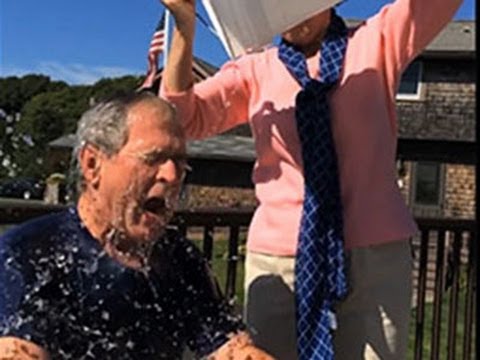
(166, 140)
(158, 138)
(156, 114)
(151, 109)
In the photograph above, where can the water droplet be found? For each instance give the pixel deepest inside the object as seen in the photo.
(60, 260)
(40, 304)
(27, 139)
(6, 162)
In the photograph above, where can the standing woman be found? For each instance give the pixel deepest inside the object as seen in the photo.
(328, 268)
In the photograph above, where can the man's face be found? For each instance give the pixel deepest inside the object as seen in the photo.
(139, 186)
(308, 31)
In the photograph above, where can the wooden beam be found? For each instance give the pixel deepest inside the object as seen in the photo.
(220, 172)
(449, 152)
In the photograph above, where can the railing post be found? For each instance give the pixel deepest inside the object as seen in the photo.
(421, 289)
(438, 295)
(452, 320)
(232, 262)
(469, 298)
(208, 243)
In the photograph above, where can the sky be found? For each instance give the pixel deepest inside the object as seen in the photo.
(82, 41)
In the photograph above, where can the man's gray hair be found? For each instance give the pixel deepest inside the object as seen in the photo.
(105, 127)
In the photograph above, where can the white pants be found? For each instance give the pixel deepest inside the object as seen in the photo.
(372, 320)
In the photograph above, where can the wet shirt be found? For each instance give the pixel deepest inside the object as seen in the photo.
(60, 290)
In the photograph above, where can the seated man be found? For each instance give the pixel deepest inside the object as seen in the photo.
(106, 279)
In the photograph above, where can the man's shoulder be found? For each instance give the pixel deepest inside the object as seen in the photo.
(38, 230)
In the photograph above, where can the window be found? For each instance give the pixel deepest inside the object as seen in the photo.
(427, 184)
(410, 83)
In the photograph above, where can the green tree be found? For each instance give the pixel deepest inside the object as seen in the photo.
(49, 110)
(15, 91)
(46, 117)
(108, 87)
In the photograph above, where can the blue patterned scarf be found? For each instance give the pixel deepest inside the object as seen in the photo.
(320, 279)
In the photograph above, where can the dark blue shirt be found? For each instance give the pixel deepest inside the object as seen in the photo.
(60, 290)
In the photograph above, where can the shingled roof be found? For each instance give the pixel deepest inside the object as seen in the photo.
(458, 36)
(457, 39)
(221, 147)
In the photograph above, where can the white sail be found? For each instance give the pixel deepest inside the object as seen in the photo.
(246, 25)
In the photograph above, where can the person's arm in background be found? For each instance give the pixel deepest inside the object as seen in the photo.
(12, 348)
(217, 103)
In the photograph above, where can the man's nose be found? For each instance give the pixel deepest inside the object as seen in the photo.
(168, 172)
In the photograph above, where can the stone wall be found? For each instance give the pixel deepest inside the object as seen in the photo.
(195, 196)
(459, 196)
(446, 108)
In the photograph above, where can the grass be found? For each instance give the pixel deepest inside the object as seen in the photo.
(219, 266)
(443, 339)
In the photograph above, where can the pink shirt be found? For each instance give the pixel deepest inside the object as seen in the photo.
(258, 88)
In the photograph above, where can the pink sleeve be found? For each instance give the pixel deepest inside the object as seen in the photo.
(215, 104)
(408, 26)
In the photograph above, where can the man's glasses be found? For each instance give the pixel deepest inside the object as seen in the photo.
(157, 158)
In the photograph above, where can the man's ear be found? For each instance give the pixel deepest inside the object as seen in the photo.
(91, 160)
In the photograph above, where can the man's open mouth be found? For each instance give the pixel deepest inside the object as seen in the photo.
(155, 205)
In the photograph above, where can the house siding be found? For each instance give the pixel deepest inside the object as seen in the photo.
(459, 192)
(444, 111)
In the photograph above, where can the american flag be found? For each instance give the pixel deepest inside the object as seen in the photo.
(156, 48)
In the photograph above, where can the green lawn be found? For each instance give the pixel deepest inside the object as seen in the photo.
(427, 329)
(219, 266)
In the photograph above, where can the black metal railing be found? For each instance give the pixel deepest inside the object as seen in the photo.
(444, 276)
(444, 286)
(234, 221)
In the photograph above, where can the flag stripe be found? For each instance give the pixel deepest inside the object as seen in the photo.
(157, 44)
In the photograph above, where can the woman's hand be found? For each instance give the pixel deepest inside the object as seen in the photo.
(177, 75)
(184, 13)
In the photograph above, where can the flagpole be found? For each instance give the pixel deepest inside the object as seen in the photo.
(167, 38)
